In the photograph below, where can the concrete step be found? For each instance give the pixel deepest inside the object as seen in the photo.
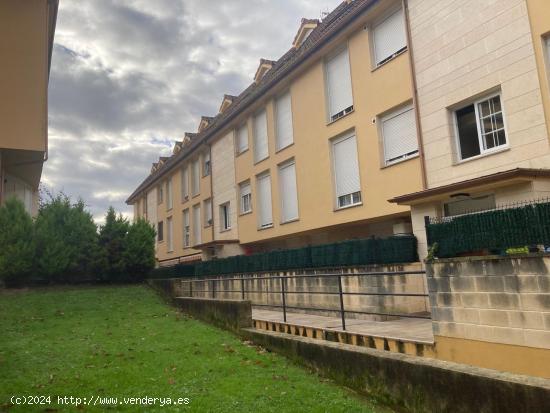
(385, 343)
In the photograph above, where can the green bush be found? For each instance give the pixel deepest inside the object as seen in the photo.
(16, 243)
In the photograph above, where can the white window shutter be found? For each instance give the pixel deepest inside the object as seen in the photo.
(284, 121)
(242, 138)
(339, 83)
(289, 194)
(399, 133)
(184, 183)
(196, 177)
(261, 150)
(346, 166)
(197, 230)
(264, 199)
(389, 37)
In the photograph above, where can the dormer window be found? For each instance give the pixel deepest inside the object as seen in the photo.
(307, 26)
(227, 101)
(188, 137)
(265, 66)
(205, 121)
(177, 147)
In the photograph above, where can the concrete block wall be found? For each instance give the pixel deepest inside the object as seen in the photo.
(496, 299)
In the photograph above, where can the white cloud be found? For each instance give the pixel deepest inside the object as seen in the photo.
(129, 77)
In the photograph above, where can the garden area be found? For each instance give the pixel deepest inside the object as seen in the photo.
(113, 345)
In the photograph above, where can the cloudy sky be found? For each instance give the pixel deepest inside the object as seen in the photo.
(129, 77)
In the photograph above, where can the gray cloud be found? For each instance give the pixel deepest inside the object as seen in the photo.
(129, 77)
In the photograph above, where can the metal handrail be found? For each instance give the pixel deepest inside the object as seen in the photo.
(283, 291)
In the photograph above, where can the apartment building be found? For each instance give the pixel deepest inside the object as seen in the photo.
(26, 41)
(482, 74)
(309, 153)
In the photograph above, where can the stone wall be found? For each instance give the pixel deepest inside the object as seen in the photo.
(494, 299)
(267, 292)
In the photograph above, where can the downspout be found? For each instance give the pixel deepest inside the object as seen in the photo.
(415, 96)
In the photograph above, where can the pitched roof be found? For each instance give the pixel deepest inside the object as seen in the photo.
(335, 22)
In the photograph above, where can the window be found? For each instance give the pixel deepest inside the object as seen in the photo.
(246, 198)
(346, 171)
(197, 228)
(225, 217)
(169, 194)
(467, 204)
(145, 207)
(338, 76)
(261, 150)
(242, 139)
(195, 178)
(399, 134)
(186, 229)
(206, 165)
(169, 237)
(185, 184)
(207, 212)
(265, 216)
(389, 37)
(160, 194)
(289, 194)
(547, 44)
(480, 127)
(160, 231)
(283, 124)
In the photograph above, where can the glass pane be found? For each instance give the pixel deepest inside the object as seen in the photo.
(501, 137)
(487, 124)
(499, 121)
(484, 108)
(496, 104)
(467, 132)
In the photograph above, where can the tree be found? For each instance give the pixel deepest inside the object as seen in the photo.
(140, 250)
(66, 241)
(112, 240)
(16, 243)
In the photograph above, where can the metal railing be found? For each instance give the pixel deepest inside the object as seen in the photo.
(211, 287)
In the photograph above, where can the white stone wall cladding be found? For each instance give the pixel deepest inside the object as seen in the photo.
(464, 49)
(223, 185)
(499, 300)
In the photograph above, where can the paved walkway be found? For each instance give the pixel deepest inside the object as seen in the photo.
(410, 329)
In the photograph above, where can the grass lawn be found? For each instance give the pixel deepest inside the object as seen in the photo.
(125, 342)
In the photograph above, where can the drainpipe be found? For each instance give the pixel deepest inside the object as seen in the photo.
(415, 96)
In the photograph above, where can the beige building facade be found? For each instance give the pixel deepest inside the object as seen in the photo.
(309, 153)
(26, 40)
(483, 103)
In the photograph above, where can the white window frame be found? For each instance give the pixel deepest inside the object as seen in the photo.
(242, 185)
(225, 216)
(169, 235)
(546, 54)
(346, 111)
(260, 205)
(238, 149)
(283, 190)
(195, 178)
(390, 13)
(185, 183)
(483, 152)
(197, 227)
(258, 157)
(207, 205)
(186, 218)
(354, 198)
(278, 144)
(169, 197)
(392, 115)
(160, 231)
(206, 164)
(160, 194)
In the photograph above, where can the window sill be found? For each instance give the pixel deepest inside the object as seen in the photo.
(224, 230)
(348, 207)
(237, 154)
(261, 160)
(160, 242)
(266, 227)
(290, 221)
(242, 214)
(207, 226)
(343, 117)
(170, 252)
(391, 59)
(184, 200)
(285, 147)
(195, 196)
(389, 165)
(483, 155)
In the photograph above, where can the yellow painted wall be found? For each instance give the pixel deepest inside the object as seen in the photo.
(24, 74)
(539, 16)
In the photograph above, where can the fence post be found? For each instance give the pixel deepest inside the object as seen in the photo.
(283, 281)
(242, 287)
(426, 224)
(342, 311)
